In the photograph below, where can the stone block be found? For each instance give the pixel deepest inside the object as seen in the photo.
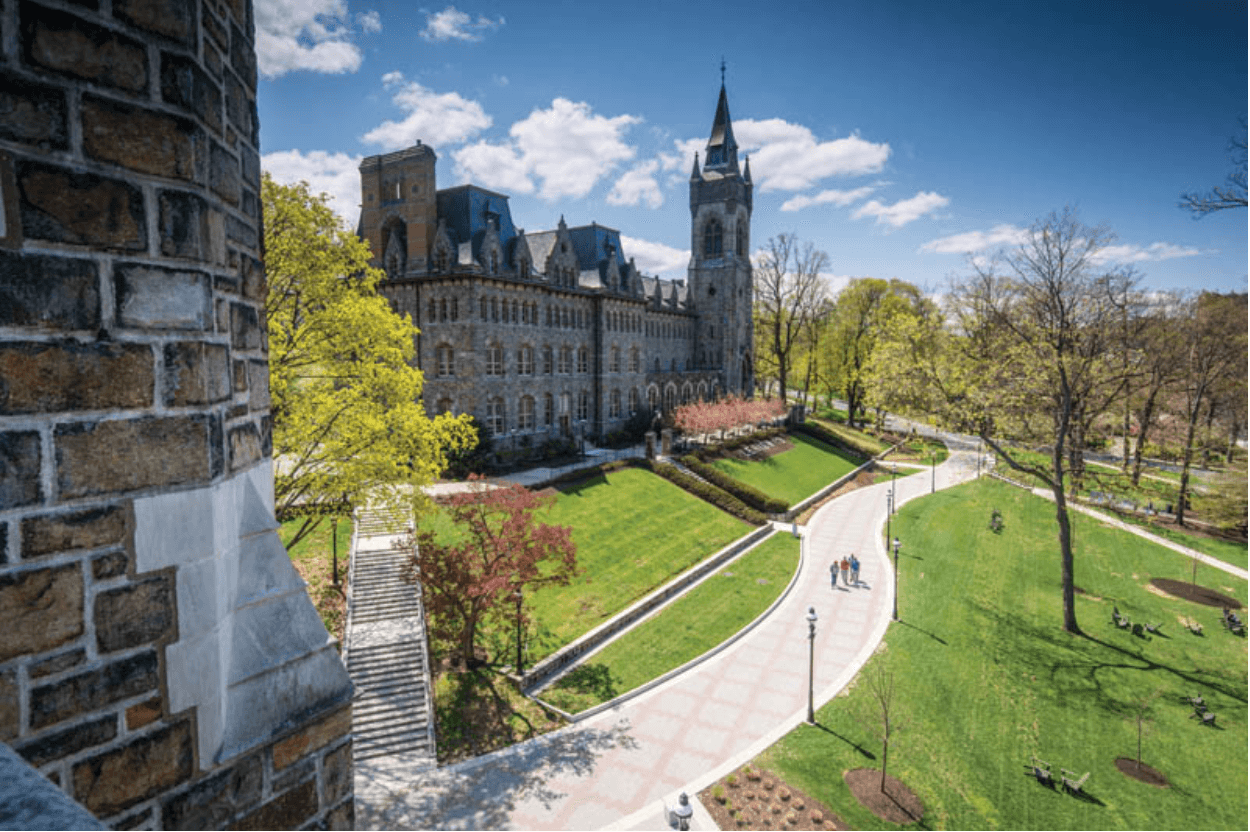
(245, 447)
(258, 383)
(144, 713)
(174, 19)
(134, 615)
(252, 276)
(48, 534)
(240, 376)
(10, 706)
(20, 461)
(118, 779)
(140, 819)
(224, 174)
(286, 811)
(194, 679)
(126, 455)
(43, 377)
(240, 109)
(173, 529)
(185, 85)
(41, 609)
(293, 775)
(243, 233)
(214, 801)
(141, 140)
(184, 225)
(93, 689)
(215, 65)
(313, 737)
(213, 27)
(57, 664)
(68, 45)
(112, 565)
(48, 292)
(245, 331)
(265, 570)
(201, 593)
(342, 816)
(196, 373)
(81, 208)
(60, 744)
(242, 56)
(159, 298)
(33, 114)
(251, 166)
(336, 774)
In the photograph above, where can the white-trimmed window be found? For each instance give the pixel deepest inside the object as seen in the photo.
(446, 361)
(583, 406)
(494, 416)
(633, 400)
(614, 360)
(614, 405)
(525, 413)
(566, 360)
(549, 409)
(635, 363)
(583, 360)
(547, 362)
(494, 360)
(525, 361)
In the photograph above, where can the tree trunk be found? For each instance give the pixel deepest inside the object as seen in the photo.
(1183, 492)
(885, 758)
(1147, 414)
(1061, 512)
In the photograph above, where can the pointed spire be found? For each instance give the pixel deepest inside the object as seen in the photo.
(722, 149)
(694, 174)
(746, 171)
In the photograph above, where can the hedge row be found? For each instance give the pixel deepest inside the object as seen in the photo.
(819, 431)
(709, 493)
(748, 494)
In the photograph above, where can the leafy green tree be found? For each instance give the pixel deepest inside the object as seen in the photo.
(788, 291)
(347, 416)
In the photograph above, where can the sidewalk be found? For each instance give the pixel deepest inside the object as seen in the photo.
(620, 768)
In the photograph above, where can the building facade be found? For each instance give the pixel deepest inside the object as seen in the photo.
(556, 333)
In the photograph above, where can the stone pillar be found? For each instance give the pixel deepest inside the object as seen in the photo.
(666, 441)
(650, 437)
(160, 661)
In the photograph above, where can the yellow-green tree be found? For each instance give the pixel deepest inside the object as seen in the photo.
(347, 416)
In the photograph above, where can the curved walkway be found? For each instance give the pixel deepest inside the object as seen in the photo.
(619, 768)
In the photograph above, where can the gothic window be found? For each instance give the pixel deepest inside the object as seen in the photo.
(549, 407)
(494, 262)
(442, 310)
(455, 308)
(446, 360)
(712, 238)
(525, 361)
(548, 316)
(583, 360)
(547, 360)
(670, 398)
(494, 310)
(566, 360)
(583, 406)
(687, 392)
(440, 260)
(614, 405)
(634, 364)
(494, 360)
(516, 315)
(633, 401)
(614, 361)
(433, 314)
(525, 413)
(525, 270)
(482, 303)
(494, 416)
(653, 397)
(445, 406)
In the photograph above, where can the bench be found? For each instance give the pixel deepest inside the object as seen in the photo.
(1072, 783)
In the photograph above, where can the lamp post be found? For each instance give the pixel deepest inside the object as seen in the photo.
(517, 595)
(896, 545)
(980, 453)
(893, 487)
(811, 663)
(889, 510)
(933, 468)
(683, 811)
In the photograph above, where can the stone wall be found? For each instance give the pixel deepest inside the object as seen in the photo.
(159, 661)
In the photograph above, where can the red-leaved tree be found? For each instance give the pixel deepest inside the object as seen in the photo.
(730, 412)
(499, 548)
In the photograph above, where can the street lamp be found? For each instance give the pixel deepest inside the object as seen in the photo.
(933, 462)
(896, 545)
(517, 595)
(893, 487)
(683, 811)
(811, 662)
(889, 510)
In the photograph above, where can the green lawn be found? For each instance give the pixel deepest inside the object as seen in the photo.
(855, 438)
(689, 627)
(1226, 550)
(795, 474)
(313, 559)
(985, 678)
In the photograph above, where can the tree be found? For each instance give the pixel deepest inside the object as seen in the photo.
(881, 686)
(497, 551)
(1232, 194)
(347, 416)
(1039, 321)
(1158, 369)
(788, 289)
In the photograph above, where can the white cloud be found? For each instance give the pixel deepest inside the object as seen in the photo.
(567, 147)
(453, 24)
(903, 211)
(336, 174)
(1003, 234)
(1140, 254)
(638, 185)
(831, 197)
(433, 118)
(656, 258)
(787, 157)
(313, 35)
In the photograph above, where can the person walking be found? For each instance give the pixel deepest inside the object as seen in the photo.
(846, 572)
(854, 569)
(833, 575)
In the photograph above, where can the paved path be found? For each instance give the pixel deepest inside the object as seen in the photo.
(619, 768)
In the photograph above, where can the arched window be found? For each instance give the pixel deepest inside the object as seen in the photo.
(653, 397)
(549, 407)
(633, 400)
(614, 360)
(670, 398)
(494, 309)
(713, 237)
(494, 416)
(525, 413)
(455, 308)
(516, 314)
(566, 360)
(634, 361)
(583, 406)
(547, 360)
(442, 310)
(614, 405)
(433, 313)
(525, 361)
(446, 361)
(583, 360)
(440, 260)
(482, 304)
(494, 360)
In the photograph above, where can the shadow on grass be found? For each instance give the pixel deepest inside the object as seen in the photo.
(575, 489)
(933, 636)
(591, 680)
(863, 751)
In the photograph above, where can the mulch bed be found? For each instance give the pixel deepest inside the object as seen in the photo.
(1197, 594)
(1144, 773)
(897, 804)
(759, 799)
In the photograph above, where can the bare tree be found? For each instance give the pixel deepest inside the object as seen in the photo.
(1232, 194)
(1157, 368)
(788, 290)
(1039, 323)
(880, 681)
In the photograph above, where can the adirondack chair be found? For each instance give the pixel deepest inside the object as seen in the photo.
(1203, 715)
(1195, 628)
(1072, 783)
(1197, 701)
(1041, 770)
(1153, 629)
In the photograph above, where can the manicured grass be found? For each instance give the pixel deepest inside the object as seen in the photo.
(313, 559)
(477, 712)
(1226, 550)
(855, 438)
(985, 678)
(794, 474)
(689, 627)
(920, 449)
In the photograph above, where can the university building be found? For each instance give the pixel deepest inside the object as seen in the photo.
(557, 333)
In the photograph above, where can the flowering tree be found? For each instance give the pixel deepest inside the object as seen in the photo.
(730, 412)
(498, 548)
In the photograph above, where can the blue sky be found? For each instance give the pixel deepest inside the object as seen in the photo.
(899, 137)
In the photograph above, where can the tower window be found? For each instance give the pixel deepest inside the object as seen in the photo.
(713, 238)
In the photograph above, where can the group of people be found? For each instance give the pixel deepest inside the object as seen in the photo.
(850, 571)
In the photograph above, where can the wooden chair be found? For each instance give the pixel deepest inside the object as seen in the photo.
(1072, 783)
(1203, 715)
(1153, 629)
(1197, 701)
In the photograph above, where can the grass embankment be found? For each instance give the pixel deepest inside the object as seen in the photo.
(985, 678)
(687, 628)
(795, 474)
(313, 559)
(919, 449)
(866, 443)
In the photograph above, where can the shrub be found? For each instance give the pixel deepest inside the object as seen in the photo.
(784, 794)
(731, 780)
(718, 793)
(753, 773)
(768, 785)
(705, 491)
(748, 494)
(819, 431)
(792, 818)
(818, 817)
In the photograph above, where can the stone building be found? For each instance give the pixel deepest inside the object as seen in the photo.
(160, 661)
(557, 333)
